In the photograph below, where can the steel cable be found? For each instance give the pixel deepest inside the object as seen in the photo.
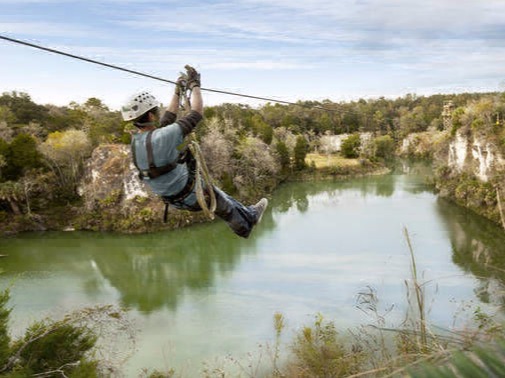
(88, 60)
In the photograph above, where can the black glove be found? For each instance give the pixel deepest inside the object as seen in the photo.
(193, 77)
(181, 84)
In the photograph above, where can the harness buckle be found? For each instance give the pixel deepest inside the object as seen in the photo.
(144, 174)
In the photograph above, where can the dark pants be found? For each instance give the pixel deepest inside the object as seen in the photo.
(241, 219)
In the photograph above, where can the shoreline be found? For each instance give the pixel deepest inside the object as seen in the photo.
(47, 222)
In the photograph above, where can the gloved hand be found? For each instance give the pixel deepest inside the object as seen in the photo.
(193, 77)
(180, 84)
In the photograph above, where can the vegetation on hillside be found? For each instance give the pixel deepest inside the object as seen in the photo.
(43, 148)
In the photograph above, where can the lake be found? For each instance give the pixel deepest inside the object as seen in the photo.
(199, 294)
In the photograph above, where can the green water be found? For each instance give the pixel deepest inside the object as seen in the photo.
(198, 294)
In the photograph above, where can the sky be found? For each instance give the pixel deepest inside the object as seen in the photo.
(289, 50)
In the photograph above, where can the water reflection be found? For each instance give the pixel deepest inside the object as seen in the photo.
(209, 293)
(149, 272)
(478, 247)
(298, 195)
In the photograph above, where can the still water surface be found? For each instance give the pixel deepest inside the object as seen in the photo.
(201, 293)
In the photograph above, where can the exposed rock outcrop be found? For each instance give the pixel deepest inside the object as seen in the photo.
(111, 170)
(474, 154)
(116, 200)
(470, 168)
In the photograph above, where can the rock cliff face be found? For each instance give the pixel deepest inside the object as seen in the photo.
(110, 170)
(116, 200)
(333, 143)
(470, 168)
(474, 154)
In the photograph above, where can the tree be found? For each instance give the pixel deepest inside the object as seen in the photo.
(6, 132)
(4, 150)
(21, 155)
(257, 168)
(217, 147)
(61, 348)
(284, 135)
(412, 121)
(384, 147)
(11, 192)
(378, 121)
(262, 129)
(283, 156)
(23, 109)
(300, 152)
(351, 146)
(65, 153)
(3, 163)
(6, 115)
(95, 104)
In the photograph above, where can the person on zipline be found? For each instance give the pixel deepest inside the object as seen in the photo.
(156, 154)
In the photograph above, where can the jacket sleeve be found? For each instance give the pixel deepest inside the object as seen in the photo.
(168, 118)
(189, 122)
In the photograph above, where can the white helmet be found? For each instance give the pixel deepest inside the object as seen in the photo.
(137, 105)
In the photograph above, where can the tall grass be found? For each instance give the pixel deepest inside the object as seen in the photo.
(410, 349)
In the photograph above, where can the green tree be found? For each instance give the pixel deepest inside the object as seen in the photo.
(21, 155)
(95, 104)
(283, 156)
(300, 152)
(412, 121)
(384, 147)
(49, 346)
(324, 123)
(351, 146)
(23, 108)
(6, 115)
(4, 151)
(351, 121)
(262, 129)
(379, 121)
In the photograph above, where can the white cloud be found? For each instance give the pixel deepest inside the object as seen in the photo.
(347, 47)
(46, 29)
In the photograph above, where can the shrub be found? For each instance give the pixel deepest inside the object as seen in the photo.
(300, 152)
(319, 352)
(384, 147)
(351, 146)
(52, 348)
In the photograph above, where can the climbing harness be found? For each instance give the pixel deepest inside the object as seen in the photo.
(153, 171)
(198, 173)
(199, 180)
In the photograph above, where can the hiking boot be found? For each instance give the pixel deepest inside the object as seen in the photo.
(260, 207)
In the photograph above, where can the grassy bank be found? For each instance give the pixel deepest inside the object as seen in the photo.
(336, 167)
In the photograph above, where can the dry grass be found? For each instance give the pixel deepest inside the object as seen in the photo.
(326, 161)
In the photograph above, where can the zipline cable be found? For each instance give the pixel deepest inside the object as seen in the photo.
(54, 51)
